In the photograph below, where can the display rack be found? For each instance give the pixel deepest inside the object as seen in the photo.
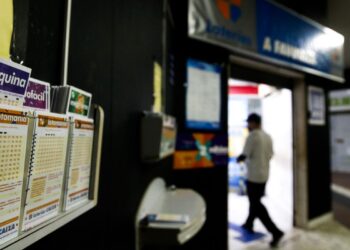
(25, 239)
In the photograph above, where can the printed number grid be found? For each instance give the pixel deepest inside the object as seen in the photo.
(14, 102)
(81, 152)
(12, 151)
(49, 154)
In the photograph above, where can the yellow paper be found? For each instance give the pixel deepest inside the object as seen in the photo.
(157, 88)
(6, 27)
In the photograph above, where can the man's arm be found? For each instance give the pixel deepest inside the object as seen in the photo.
(248, 149)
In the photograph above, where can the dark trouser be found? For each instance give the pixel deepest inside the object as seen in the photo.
(256, 209)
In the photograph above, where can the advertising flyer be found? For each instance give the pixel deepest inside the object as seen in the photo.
(37, 95)
(13, 83)
(13, 145)
(200, 150)
(80, 163)
(46, 170)
(79, 102)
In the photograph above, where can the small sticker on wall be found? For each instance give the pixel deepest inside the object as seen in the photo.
(316, 106)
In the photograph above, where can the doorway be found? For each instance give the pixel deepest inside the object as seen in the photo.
(274, 104)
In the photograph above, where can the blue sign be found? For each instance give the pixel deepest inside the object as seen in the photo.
(284, 36)
(13, 78)
(265, 30)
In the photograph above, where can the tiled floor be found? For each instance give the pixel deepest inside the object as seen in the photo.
(278, 199)
(239, 211)
(329, 236)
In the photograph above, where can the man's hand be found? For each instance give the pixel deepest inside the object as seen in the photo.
(241, 158)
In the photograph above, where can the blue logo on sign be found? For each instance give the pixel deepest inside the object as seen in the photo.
(230, 9)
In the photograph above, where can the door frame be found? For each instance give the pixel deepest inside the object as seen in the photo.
(299, 117)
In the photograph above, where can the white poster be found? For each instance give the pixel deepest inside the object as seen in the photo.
(203, 97)
(317, 106)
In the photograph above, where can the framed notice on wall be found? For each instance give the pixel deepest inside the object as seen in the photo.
(316, 106)
(203, 97)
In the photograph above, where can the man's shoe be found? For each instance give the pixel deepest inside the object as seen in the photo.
(247, 229)
(276, 238)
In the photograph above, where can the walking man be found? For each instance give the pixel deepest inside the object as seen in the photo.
(257, 153)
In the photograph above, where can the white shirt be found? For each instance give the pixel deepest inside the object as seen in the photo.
(258, 150)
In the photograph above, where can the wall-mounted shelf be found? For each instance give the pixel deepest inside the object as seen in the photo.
(37, 233)
(27, 238)
(161, 200)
